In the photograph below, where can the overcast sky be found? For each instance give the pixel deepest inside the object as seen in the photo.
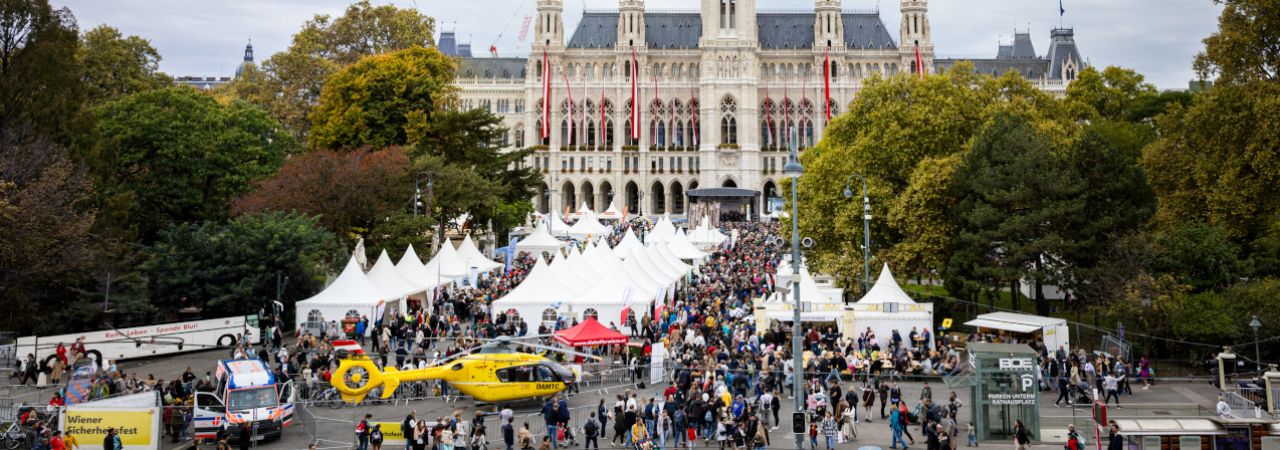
(1158, 38)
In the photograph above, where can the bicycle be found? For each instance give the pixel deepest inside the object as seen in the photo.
(14, 437)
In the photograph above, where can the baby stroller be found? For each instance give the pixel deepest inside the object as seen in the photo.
(567, 435)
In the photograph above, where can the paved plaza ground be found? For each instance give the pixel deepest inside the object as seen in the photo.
(1166, 401)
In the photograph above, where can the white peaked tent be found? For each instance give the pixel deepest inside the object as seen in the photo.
(539, 241)
(587, 225)
(582, 211)
(540, 290)
(447, 263)
(471, 255)
(628, 245)
(612, 294)
(611, 213)
(385, 276)
(706, 237)
(412, 269)
(663, 231)
(886, 307)
(681, 247)
(351, 291)
(556, 224)
(567, 270)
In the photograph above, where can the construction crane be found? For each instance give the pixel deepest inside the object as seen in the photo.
(524, 28)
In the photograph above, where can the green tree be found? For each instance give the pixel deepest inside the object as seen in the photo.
(229, 268)
(1016, 200)
(46, 244)
(1118, 202)
(1111, 94)
(40, 84)
(383, 100)
(891, 127)
(1246, 47)
(471, 140)
(922, 213)
(1216, 161)
(1201, 256)
(114, 65)
(176, 155)
(291, 80)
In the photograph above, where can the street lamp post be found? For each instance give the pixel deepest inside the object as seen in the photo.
(417, 190)
(794, 169)
(1257, 351)
(866, 229)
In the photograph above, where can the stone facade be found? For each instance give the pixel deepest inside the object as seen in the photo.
(743, 73)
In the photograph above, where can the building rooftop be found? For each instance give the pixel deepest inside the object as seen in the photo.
(777, 31)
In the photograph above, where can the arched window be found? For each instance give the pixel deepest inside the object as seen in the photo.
(590, 313)
(835, 70)
(728, 121)
(519, 136)
(549, 316)
(678, 137)
(591, 134)
(662, 134)
(768, 133)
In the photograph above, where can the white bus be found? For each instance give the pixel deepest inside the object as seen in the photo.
(147, 340)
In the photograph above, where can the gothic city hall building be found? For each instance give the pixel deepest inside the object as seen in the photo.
(635, 108)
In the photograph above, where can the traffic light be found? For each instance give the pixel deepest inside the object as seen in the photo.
(799, 423)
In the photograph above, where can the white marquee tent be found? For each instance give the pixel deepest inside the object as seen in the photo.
(587, 225)
(611, 213)
(706, 237)
(471, 255)
(886, 307)
(539, 241)
(628, 245)
(351, 291)
(386, 277)
(447, 263)
(663, 231)
(681, 247)
(412, 269)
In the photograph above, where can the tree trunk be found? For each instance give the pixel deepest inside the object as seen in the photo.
(1015, 296)
(1042, 305)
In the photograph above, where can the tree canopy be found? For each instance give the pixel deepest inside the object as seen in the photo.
(383, 100)
(115, 65)
(176, 155)
(290, 82)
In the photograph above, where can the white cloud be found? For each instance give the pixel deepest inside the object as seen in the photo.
(1158, 38)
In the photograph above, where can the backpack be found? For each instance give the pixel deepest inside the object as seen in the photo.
(708, 417)
(362, 427)
(591, 428)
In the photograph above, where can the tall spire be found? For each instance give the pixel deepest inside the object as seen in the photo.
(248, 52)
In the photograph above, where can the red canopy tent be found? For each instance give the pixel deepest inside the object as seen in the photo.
(588, 333)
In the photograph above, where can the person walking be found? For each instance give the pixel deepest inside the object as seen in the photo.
(551, 417)
(408, 427)
(591, 432)
(509, 433)
(375, 437)
(829, 430)
(1021, 436)
(603, 415)
(1114, 440)
(895, 425)
(1111, 385)
(362, 433)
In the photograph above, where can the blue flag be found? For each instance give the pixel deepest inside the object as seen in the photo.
(1061, 11)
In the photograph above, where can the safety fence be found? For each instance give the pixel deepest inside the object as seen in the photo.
(1248, 402)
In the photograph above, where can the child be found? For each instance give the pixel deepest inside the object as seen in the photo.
(973, 435)
(813, 435)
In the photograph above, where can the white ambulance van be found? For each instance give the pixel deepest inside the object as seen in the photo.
(247, 392)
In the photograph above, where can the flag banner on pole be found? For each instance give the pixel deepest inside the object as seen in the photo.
(602, 116)
(1062, 11)
(826, 81)
(768, 119)
(569, 90)
(919, 62)
(694, 109)
(635, 98)
(546, 97)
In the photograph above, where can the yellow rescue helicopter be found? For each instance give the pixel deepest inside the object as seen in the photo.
(493, 372)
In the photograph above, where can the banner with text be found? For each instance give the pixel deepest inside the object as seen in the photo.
(138, 428)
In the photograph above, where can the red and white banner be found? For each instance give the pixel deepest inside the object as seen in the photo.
(546, 97)
(826, 80)
(635, 98)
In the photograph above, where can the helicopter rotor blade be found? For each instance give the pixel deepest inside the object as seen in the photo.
(564, 351)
